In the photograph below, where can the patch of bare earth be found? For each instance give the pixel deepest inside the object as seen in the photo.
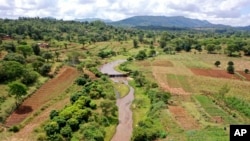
(186, 121)
(145, 63)
(45, 93)
(213, 73)
(25, 134)
(247, 76)
(162, 63)
(162, 82)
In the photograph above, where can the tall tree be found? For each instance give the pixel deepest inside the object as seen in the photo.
(36, 49)
(18, 90)
(25, 50)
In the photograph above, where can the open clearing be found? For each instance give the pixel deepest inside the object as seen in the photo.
(45, 93)
(186, 121)
(213, 73)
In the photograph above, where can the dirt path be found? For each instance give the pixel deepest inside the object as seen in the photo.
(45, 93)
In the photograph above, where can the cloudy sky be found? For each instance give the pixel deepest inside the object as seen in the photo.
(229, 12)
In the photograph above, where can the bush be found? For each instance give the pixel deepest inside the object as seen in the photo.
(230, 69)
(217, 63)
(66, 131)
(53, 114)
(14, 57)
(45, 69)
(81, 81)
(29, 77)
(73, 123)
(230, 63)
(51, 128)
(92, 105)
(10, 70)
(246, 71)
(14, 129)
(92, 131)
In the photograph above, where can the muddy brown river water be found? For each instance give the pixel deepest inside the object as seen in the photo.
(125, 127)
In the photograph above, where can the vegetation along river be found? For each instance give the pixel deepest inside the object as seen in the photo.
(124, 128)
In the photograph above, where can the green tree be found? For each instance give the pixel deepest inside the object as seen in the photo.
(141, 37)
(135, 43)
(66, 131)
(230, 69)
(51, 128)
(57, 54)
(18, 90)
(210, 48)
(45, 69)
(10, 47)
(198, 47)
(152, 53)
(29, 77)
(36, 49)
(25, 50)
(217, 63)
(230, 63)
(10, 70)
(141, 55)
(246, 71)
(47, 56)
(14, 57)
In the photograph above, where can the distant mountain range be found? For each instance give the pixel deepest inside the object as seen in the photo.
(93, 19)
(163, 22)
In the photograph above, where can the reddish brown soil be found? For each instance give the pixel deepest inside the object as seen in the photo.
(164, 85)
(217, 119)
(247, 76)
(186, 121)
(90, 74)
(213, 73)
(45, 93)
(25, 133)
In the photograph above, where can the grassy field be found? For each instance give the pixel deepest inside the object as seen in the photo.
(212, 118)
(140, 105)
(122, 89)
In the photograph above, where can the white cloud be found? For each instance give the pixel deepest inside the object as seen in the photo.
(233, 12)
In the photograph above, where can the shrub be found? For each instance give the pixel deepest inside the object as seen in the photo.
(81, 81)
(230, 69)
(246, 71)
(29, 77)
(53, 114)
(45, 69)
(66, 131)
(14, 129)
(217, 63)
(230, 63)
(51, 128)
(73, 123)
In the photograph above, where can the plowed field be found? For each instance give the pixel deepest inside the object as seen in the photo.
(45, 93)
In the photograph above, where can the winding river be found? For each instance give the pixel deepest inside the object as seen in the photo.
(125, 126)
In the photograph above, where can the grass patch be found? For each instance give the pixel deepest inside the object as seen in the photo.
(110, 131)
(208, 134)
(213, 110)
(179, 81)
(140, 105)
(122, 89)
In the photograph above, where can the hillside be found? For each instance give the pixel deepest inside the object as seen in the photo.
(163, 21)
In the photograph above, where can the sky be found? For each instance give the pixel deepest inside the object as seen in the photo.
(228, 12)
